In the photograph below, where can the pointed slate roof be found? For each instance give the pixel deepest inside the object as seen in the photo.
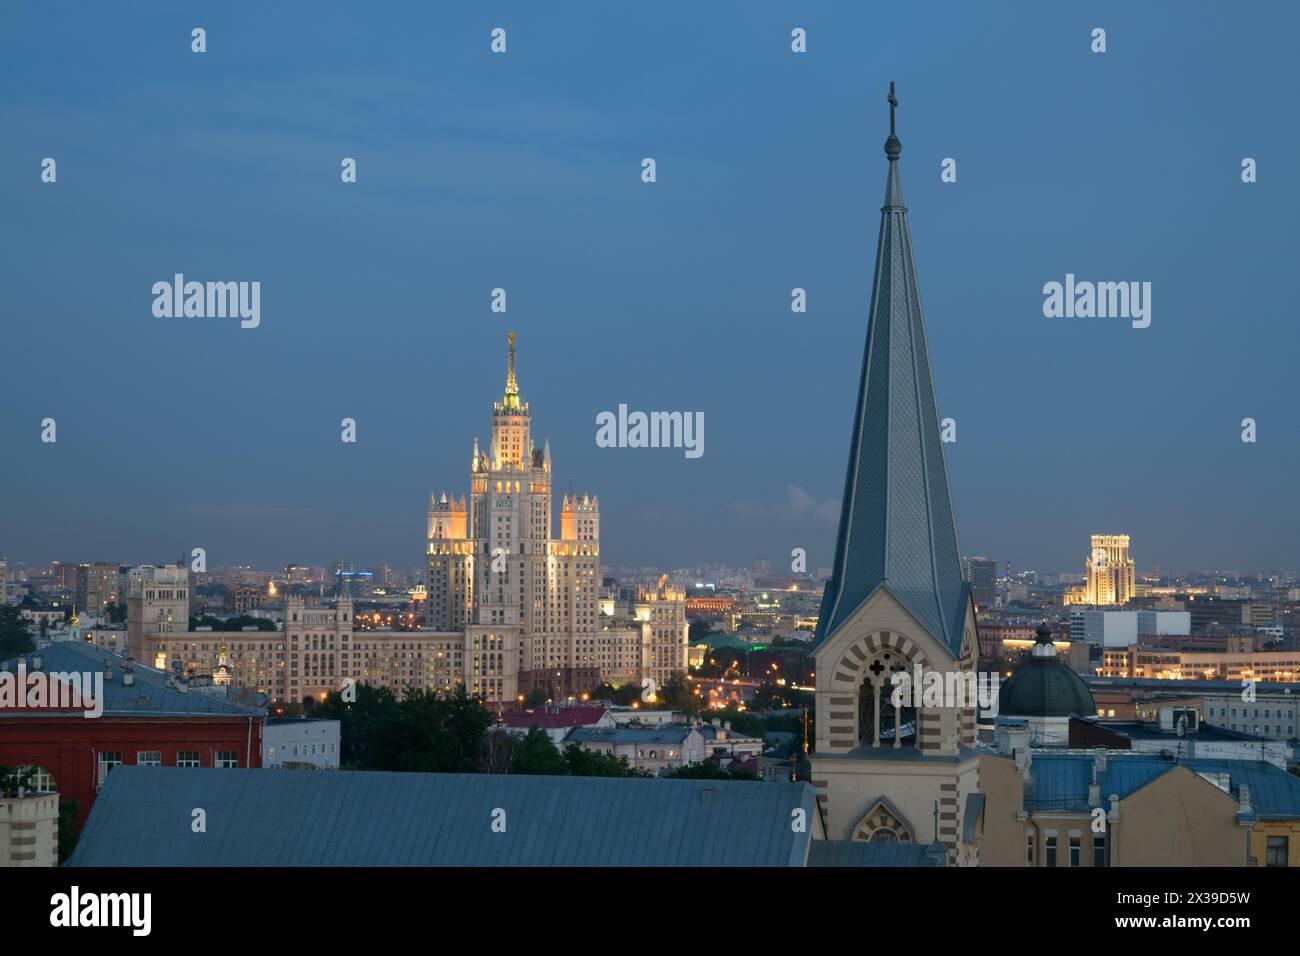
(896, 523)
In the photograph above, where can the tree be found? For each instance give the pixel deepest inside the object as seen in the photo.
(498, 751)
(67, 828)
(678, 694)
(358, 721)
(15, 637)
(708, 770)
(584, 763)
(700, 630)
(537, 754)
(624, 695)
(743, 722)
(116, 613)
(12, 778)
(245, 620)
(536, 697)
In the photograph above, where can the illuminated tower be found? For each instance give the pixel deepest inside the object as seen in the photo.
(527, 601)
(1110, 570)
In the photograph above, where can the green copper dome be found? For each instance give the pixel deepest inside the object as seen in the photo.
(1044, 686)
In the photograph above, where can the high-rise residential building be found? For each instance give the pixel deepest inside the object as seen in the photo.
(157, 604)
(528, 602)
(240, 599)
(1110, 571)
(98, 585)
(983, 577)
(509, 610)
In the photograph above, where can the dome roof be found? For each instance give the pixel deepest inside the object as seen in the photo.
(1044, 686)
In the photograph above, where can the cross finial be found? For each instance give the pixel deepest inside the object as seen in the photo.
(893, 105)
(936, 821)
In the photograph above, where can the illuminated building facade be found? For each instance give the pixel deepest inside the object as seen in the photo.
(527, 602)
(1164, 664)
(1110, 571)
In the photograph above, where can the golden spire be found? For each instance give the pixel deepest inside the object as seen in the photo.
(512, 387)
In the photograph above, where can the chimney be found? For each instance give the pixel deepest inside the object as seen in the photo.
(128, 679)
(1013, 737)
(108, 672)
(36, 662)
(1024, 760)
(1243, 799)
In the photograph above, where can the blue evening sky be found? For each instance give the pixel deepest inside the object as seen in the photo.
(523, 171)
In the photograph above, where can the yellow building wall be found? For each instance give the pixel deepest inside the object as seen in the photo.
(1260, 833)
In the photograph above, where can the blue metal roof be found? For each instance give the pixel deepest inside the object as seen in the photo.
(1274, 793)
(896, 522)
(150, 694)
(1060, 781)
(142, 817)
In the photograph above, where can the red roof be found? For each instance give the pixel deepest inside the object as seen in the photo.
(555, 717)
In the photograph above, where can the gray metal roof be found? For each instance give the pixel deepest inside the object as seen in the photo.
(142, 817)
(896, 523)
(859, 853)
(150, 695)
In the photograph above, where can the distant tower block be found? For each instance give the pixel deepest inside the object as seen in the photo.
(1111, 578)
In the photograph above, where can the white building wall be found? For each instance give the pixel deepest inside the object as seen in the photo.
(314, 742)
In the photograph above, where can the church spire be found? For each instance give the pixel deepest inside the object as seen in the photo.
(512, 387)
(896, 523)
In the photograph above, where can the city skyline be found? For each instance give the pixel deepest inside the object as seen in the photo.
(359, 510)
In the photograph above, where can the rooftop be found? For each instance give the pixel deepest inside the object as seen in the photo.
(151, 694)
(342, 818)
(553, 718)
(1059, 781)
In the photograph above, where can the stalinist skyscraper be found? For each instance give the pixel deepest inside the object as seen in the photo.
(527, 602)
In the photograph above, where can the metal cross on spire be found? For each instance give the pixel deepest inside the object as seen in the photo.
(893, 105)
